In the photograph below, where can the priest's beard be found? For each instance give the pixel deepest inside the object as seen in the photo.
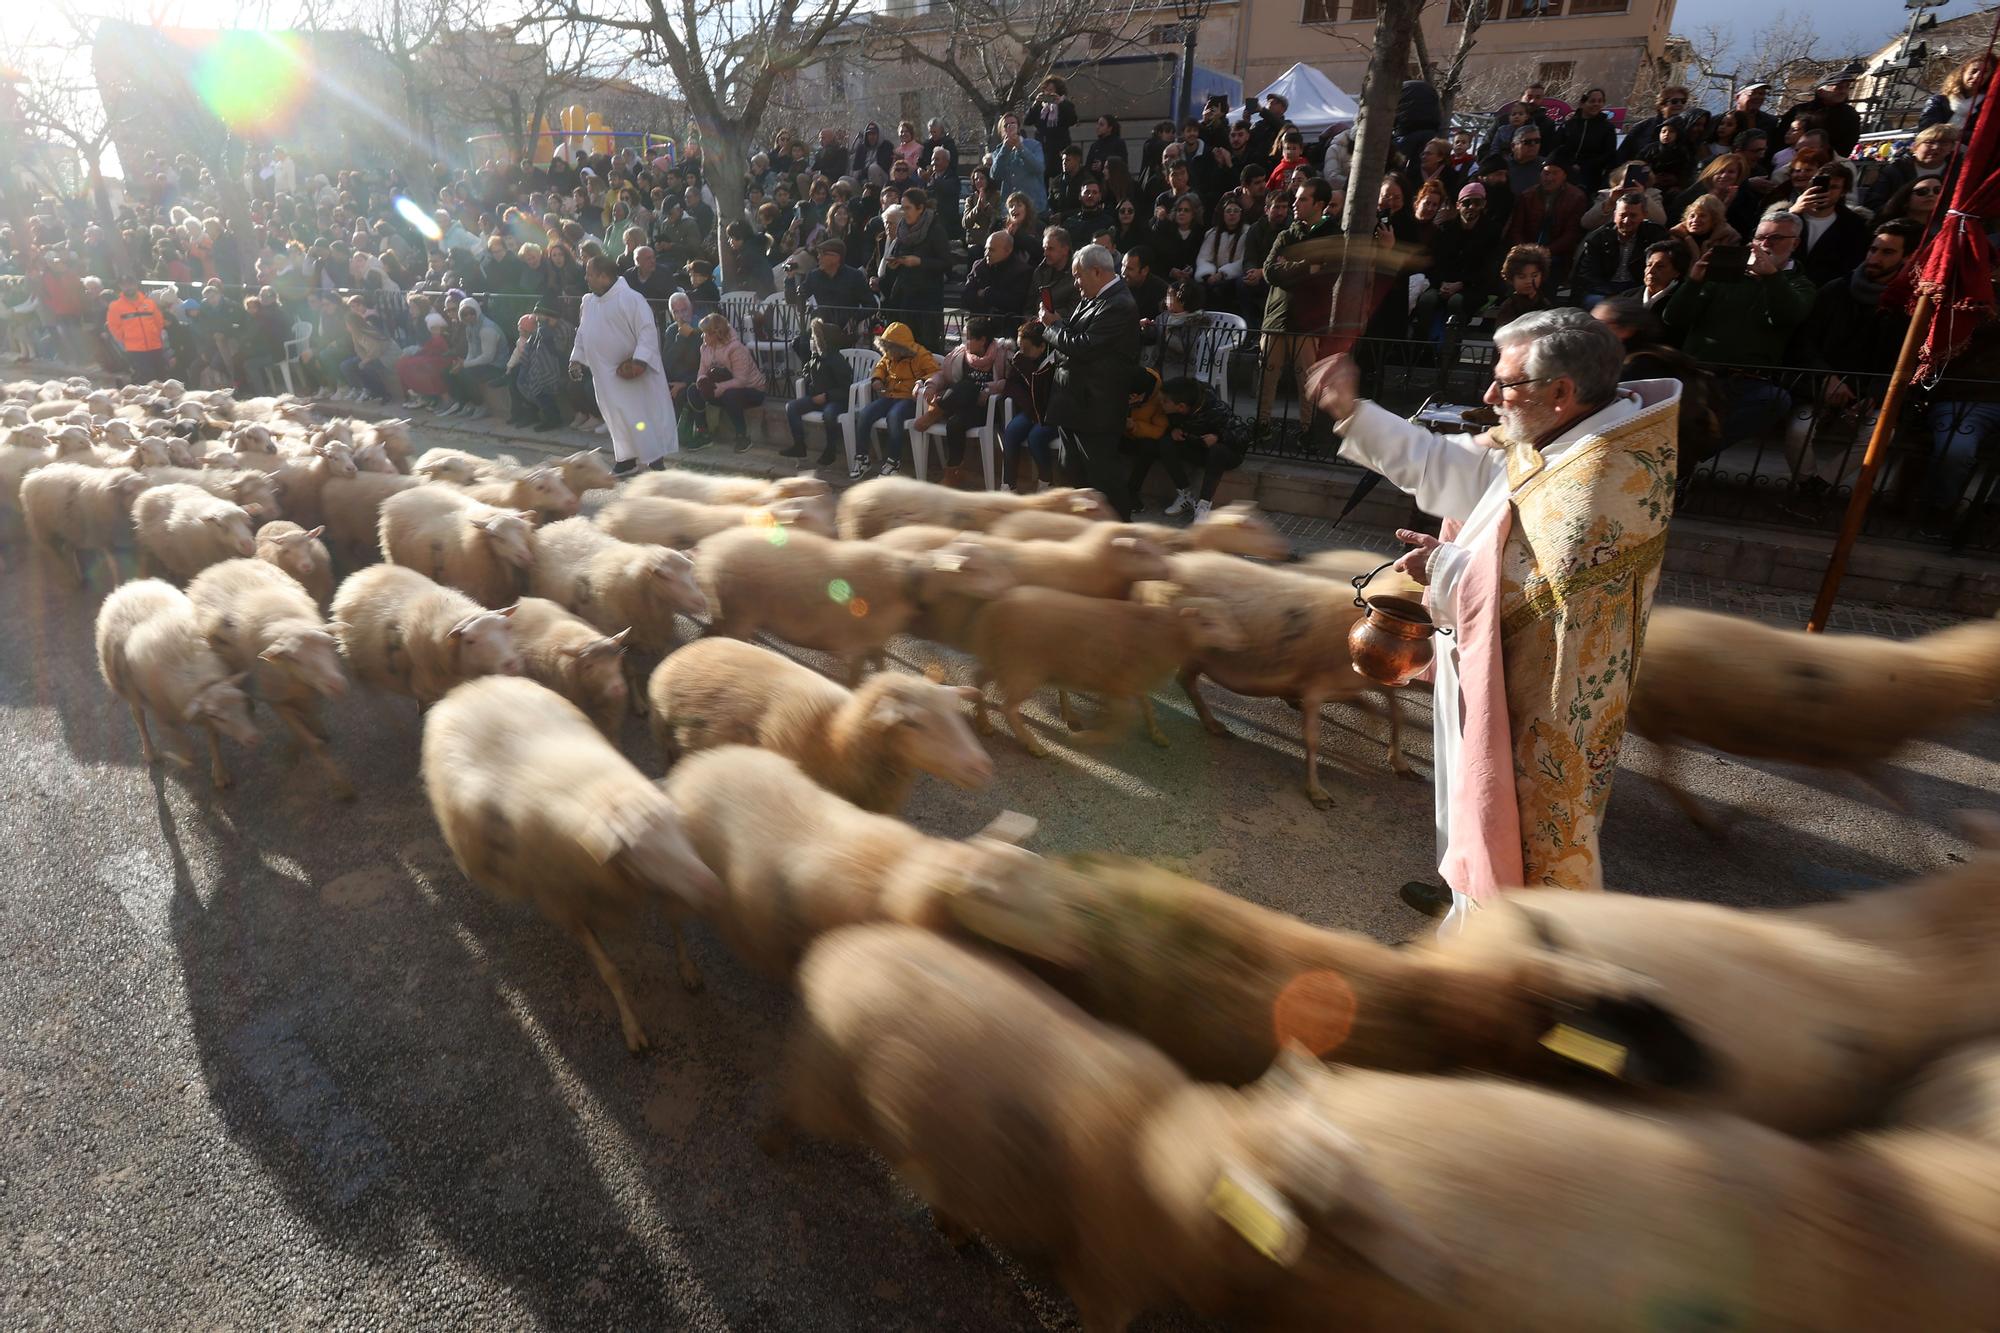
(1528, 424)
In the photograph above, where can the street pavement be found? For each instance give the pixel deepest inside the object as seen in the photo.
(270, 1060)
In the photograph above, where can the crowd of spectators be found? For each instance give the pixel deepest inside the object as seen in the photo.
(1728, 240)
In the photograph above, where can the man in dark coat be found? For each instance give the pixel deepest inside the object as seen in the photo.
(1096, 350)
(1837, 115)
(1419, 114)
(998, 282)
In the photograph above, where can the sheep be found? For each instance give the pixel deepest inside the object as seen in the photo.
(1838, 701)
(300, 479)
(402, 633)
(616, 586)
(455, 467)
(374, 458)
(143, 453)
(847, 598)
(392, 434)
(679, 484)
(255, 492)
(25, 449)
(1234, 529)
(1294, 647)
(1808, 1016)
(890, 502)
(1958, 1095)
(535, 805)
(153, 655)
(796, 861)
(1561, 1213)
(265, 624)
(683, 523)
(866, 746)
(1033, 637)
(1013, 1114)
(585, 470)
(539, 490)
(575, 659)
(69, 507)
(351, 510)
(184, 530)
(480, 550)
(299, 552)
(73, 444)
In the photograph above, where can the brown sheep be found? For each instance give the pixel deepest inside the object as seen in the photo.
(618, 586)
(538, 490)
(69, 509)
(1234, 529)
(575, 659)
(300, 553)
(402, 633)
(1033, 637)
(536, 805)
(892, 502)
(301, 477)
(682, 523)
(184, 530)
(866, 746)
(482, 551)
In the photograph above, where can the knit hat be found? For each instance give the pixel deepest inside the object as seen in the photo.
(1474, 190)
(434, 321)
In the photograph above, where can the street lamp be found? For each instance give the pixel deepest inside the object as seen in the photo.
(1190, 13)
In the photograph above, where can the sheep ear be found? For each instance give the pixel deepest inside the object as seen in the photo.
(890, 713)
(507, 611)
(1125, 543)
(275, 654)
(969, 693)
(620, 637)
(1010, 827)
(314, 535)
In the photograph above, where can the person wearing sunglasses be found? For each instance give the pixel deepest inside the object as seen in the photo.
(1555, 527)
(1927, 158)
(1672, 102)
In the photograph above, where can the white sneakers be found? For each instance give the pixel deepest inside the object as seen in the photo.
(1201, 508)
(1182, 499)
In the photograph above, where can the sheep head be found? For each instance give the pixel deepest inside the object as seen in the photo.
(644, 841)
(924, 726)
(964, 567)
(1240, 529)
(223, 706)
(586, 470)
(310, 657)
(668, 581)
(483, 645)
(509, 534)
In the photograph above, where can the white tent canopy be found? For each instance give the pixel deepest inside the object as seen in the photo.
(1315, 100)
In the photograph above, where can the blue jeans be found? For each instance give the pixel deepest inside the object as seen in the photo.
(1957, 429)
(1024, 432)
(1749, 407)
(369, 376)
(897, 412)
(795, 412)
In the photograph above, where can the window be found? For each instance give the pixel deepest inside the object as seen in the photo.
(1555, 75)
(1320, 11)
(1455, 12)
(1533, 9)
(1165, 34)
(1598, 6)
(1363, 9)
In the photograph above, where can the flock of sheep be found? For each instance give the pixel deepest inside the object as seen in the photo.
(1582, 1112)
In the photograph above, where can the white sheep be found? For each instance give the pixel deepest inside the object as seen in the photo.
(301, 478)
(153, 655)
(1033, 637)
(1295, 630)
(184, 530)
(455, 467)
(392, 434)
(265, 624)
(891, 502)
(402, 633)
(1957, 1095)
(256, 492)
(683, 523)
(1234, 529)
(575, 659)
(539, 490)
(69, 509)
(618, 586)
(796, 861)
(681, 484)
(351, 510)
(1839, 701)
(866, 746)
(299, 552)
(848, 598)
(536, 805)
(480, 550)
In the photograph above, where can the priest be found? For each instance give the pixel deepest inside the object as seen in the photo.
(618, 342)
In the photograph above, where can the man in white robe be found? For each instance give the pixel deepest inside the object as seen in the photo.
(620, 344)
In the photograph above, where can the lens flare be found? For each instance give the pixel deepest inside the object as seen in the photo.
(839, 591)
(410, 211)
(254, 82)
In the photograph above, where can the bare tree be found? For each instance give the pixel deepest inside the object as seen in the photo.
(1451, 80)
(726, 59)
(1374, 137)
(402, 30)
(57, 102)
(514, 75)
(997, 52)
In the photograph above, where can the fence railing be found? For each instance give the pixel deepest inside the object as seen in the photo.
(1787, 457)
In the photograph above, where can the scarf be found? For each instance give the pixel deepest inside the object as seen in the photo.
(908, 236)
(1867, 293)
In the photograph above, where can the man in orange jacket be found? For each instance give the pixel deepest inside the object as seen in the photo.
(139, 328)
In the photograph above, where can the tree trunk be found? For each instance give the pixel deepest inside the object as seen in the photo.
(100, 194)
(1374, 136)
(1454, 74)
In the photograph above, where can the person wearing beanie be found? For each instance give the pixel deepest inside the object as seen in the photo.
(1465, 263)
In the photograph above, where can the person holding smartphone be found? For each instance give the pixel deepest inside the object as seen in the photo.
(1835, 237)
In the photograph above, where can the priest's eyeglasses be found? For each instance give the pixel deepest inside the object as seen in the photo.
(1502, 386)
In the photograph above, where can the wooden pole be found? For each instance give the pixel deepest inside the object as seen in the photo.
(1871, 461)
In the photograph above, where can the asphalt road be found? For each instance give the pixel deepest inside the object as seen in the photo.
(270, 1060)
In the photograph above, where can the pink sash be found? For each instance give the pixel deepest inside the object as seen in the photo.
(1483, 855)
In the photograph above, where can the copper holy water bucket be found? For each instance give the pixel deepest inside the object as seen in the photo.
(1391, 643)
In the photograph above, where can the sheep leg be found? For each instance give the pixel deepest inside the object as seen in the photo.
(635, 1036)
(1309, 737)
(1392, 702)
(1190, 680)
(635, 684)
(982, 717)
(217, 774)
(1113, 723)
(1153, 731)
(684, 961)
(315, 745)
(1012, 703)
(145, 736)
(1069, 717)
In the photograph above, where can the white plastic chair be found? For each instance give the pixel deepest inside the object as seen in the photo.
(862, 361)
(739, 308)
(988, 436)
(777, 347)
(1212, 339)
(295, 349)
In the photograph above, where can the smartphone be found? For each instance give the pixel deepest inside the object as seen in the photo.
(1048, 304)
(1728, 261)
(1822, 180)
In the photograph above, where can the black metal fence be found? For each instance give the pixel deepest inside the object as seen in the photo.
(1788, 455)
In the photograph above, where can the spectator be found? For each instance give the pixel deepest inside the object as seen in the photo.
(1550, 216)
(1928, 156)
(536, 381)
(701, 286)
(1016, 164)
(1289, 164)
(941, 183)
(983, 209)
(1525, 272)
(1918, 201)
(1052, 113)
(1672, 101)
(1030, 388)
(914, 265)
(484, 363)
(1705, 225)
(1109, 144)
(1649, 357)
(1524, 162)
(1836, 237)
(1722, 179)
(1611, 260)
(1964, 88)
(1149, 290)
(1629, 178)
(1419, 117)
(826, 376)
(1024, 228)
(1588, 140)
(1266, 122)
(1090, 215)
(729, 378)
(1745, 321)
(1529, 103)
(1964, 413)
(1145, 440)
(1052, 285)
(140, 331)
(836, 290)
(646, 278)
(1667, 263)
(957, 394)
(1853, 337)
(997, 283)
(1155, 148)
(1095, 347)
(1300, 304)
(1750, 106)
(833, 158)
(1201, 431)
(421, 372)
(936, 137)
(1066, 182)
(905, 363)
(368, 368)
(1177, 241)
(908, 148)
(1252, 290)
(1495, 177)
(1465, 264)
(1219, 266)
(1838, 117)
(680, 349)
(1434, 164)
(215, 323)
(746, 263)
(871, 155)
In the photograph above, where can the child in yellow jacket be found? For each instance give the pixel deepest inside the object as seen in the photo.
(905, 363)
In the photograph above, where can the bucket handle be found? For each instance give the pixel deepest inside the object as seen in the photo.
(1363, 580)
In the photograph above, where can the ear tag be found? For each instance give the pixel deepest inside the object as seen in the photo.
(1607, 1057)
(1255, 1212)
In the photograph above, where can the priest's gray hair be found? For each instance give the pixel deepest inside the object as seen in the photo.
(1568, 344)
(1098, 257)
